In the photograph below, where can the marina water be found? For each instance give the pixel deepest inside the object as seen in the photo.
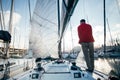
(108, 66)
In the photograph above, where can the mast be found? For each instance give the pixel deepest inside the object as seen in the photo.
(1, 22)
(104, 13)
(2, 16)
(59, 44)
(6, 74)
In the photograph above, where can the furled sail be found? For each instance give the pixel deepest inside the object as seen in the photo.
(44, 37)
(68, 7)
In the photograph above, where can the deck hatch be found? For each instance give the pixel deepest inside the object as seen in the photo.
(77, 75)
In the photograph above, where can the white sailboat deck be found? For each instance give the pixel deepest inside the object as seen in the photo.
(62, 71)
(57, 71)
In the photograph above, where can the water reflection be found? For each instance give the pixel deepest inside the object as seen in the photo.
(115, 64)
(103, 66)
(110, 66)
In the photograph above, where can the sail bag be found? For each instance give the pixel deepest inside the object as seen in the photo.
(5, 36)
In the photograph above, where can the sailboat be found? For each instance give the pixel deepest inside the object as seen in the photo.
(49, 22)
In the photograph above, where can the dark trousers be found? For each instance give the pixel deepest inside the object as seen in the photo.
(88, 51)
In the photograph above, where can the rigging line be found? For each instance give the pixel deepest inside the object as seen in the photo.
(1, 22)
(71, 34)
(11, 16)
(109, 32)
(25, 7)
(111, 11)
(84, 7)
(85, 13)
(29, 9)
(45, 19)
(63, 44)
(2, 17)
(117, 2)
(65, 4)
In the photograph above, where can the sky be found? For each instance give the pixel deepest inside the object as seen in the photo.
(21, 18)
(91, 10)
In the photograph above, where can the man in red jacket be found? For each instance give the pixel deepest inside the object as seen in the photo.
(86, 40)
